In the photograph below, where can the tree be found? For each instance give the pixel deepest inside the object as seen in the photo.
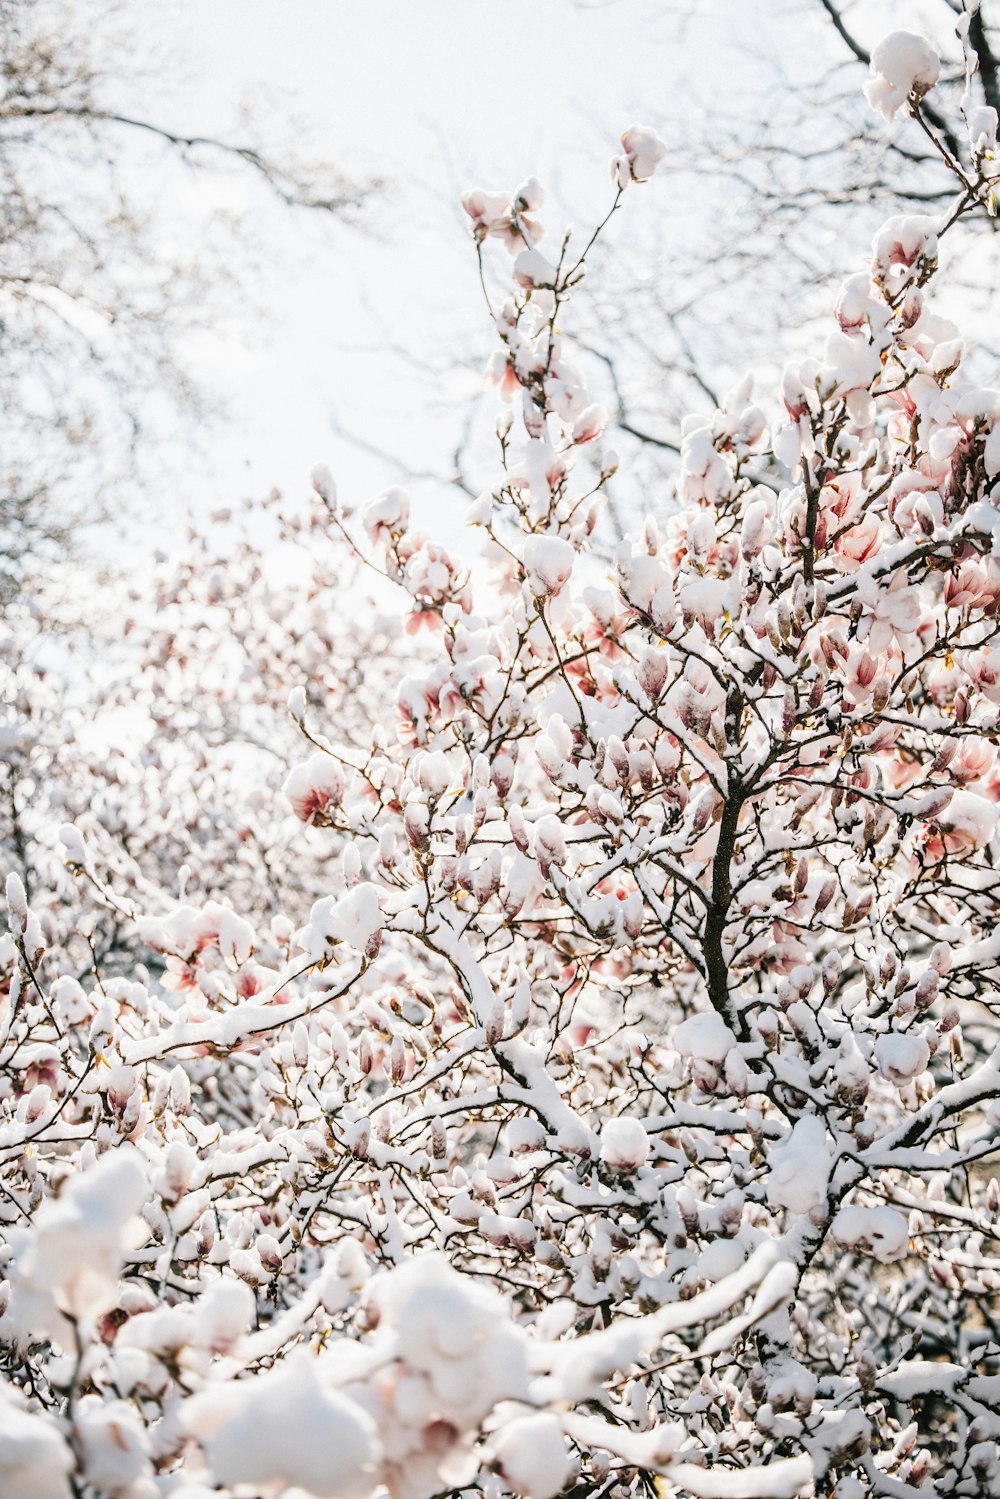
(96, 291)
(770, 187)
(618, 1121)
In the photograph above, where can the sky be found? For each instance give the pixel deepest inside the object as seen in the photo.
(358, 346)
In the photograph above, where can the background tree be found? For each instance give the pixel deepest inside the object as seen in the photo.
(99, 284)
(767, 186)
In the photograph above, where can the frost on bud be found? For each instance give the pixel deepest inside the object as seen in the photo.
(351, 865)
(300, 1044)
(72, 841)
(518, 829)
(387, 848)
(416, 824)
(494, 1021)
(397, 1060)
(434, 773)
(755, 530)
(502, 772)
(270, 1254)
(357, 1137)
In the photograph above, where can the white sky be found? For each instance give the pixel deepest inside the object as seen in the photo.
(434, 96)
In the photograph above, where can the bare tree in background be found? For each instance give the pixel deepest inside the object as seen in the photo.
(98, 285)
(775, 193)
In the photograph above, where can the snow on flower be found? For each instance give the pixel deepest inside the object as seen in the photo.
(285, 1428)
(314, 785)
(35, 1460)
(642, 152)
(799, 1168)
(904, 66)
(880, 1232)
(76, 1248)
(532, 1456)
(548, 563)
(901, 1058)
(354, 918)
(706, 1037)
(624, 1144)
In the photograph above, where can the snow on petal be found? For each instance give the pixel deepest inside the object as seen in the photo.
(354, 918)
(706, 1037)
(903, 65)
(284, 1428)
(800, 1167)
(548, 562)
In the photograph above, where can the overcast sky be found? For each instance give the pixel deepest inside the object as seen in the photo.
(357, 327)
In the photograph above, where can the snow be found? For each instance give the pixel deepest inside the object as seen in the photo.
(76, 1251)
(548, 562)
(283, 1427)
(800, 1168)
(881, 1232)
(706, 1037)
(902, 64)
(532, 1456)
(354, 918)
(917, 1377)
(720, 1258)
(624, 1144)
(457, 1334)
(901, 1058)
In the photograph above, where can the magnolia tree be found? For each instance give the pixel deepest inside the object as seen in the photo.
(156, 724)
(618, 1118)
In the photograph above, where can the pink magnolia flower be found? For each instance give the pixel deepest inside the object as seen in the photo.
(857, 545)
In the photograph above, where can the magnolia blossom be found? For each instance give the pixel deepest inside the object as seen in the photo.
(904, 66)
(287, 1430)
(881, 1232)
(548, 562)
(624, 1144)
(314, 786)
(642, 152)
